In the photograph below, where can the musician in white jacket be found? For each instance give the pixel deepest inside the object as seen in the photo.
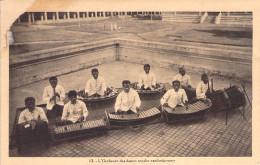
(174, 97)
(75, 110)
(128, 100)
(147, 80)
(54, 101)
(203, 87)
(96, 86)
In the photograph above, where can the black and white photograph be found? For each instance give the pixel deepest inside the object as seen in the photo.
(109, 82)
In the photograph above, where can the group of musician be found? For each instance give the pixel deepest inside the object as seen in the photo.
(34, 120)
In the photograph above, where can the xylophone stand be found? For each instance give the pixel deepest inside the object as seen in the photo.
(244, 91)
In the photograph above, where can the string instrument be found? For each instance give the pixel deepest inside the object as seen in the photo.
(54, 94)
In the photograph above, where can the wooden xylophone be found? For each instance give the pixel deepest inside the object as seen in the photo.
(80, 129)
(133, 119)
(195, 111)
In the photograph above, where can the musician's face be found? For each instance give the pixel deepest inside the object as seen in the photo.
(73, 99)
(205, 79)
(95, 75)
(53, 83)
(126, 87)
(176, 86)
(30, 104)
(147, 69)
(182, 72)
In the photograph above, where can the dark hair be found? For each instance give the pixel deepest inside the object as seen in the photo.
(28, 99)
(53, 78)
(204, 75)
(176, 81)
(181, 68)
(126, 82)
(72, 93)
(146, 65)
(94, 70)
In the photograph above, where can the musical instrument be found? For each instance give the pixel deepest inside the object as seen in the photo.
(80, 129)
(236, 97)
(219, 99)
(54, 94)
(196, 110)
(133, 119)
(153, 94)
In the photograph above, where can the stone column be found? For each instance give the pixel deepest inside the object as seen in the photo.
(78, 15)
(175, 13)
(228, 13)
(84, 15)
(41, 16)
(199, 13)
(45, 16)
(57, 15)
(29, 18)
(64, 15)
(74, 15)
(68, 15)
(33, 17)
(53, 16)
(92, 15)
(96, 14)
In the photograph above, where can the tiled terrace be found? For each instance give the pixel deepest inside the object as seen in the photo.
(211, 138)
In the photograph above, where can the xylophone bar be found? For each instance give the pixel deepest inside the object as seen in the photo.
(134, 119)
(80, 129)
(195, 111)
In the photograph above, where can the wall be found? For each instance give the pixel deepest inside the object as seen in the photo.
(41, 66)
(38, 65)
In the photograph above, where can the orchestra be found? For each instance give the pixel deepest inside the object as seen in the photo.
(180, 103)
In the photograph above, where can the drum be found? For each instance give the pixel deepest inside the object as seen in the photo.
(133, 119)
(220, 100)
(236, 97)
(196, 110)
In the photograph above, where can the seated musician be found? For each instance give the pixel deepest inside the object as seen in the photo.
(147, 80)
(203, 87)
(75, 110)
(128, 100)
(185, 83)
(32, 122)
(54, 101)
(174, 97)
(96, 86)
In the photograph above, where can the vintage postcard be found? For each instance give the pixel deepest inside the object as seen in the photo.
(129, 82)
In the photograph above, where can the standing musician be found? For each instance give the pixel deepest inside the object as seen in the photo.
(32, 122)
(174, 97)
(147, 80)
(96, 86)
(53, 95)
(204, 87)
(75, 110)
(128, 100)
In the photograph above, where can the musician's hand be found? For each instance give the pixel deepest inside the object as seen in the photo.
(137, 109)
(165, 105)
(81, 118)
(33, 123)
(57, 94)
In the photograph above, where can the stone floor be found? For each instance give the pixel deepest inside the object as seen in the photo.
(209, 138)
